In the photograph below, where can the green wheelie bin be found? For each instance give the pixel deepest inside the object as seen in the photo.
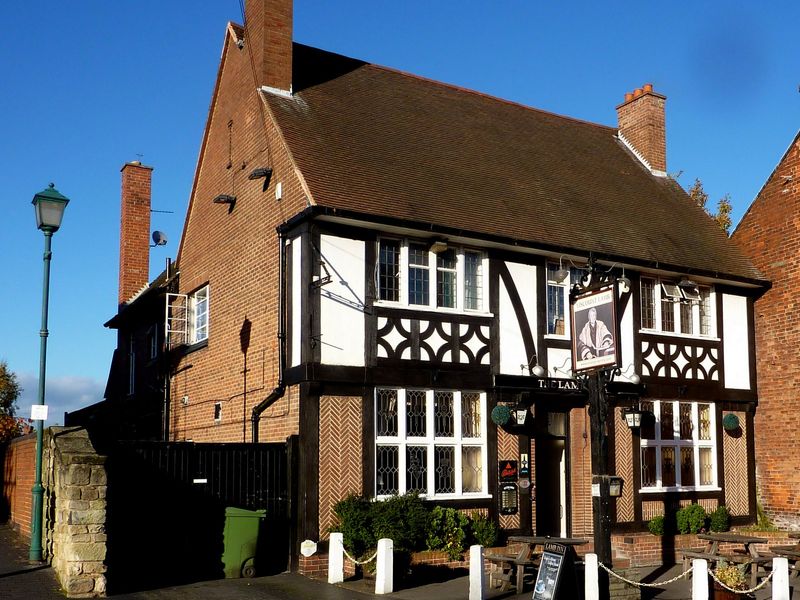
(241, 541)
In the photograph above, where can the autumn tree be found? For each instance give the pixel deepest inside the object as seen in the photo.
(10, 426)
(724, 207)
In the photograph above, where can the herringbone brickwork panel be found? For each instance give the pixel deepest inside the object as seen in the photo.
(507, 449)
(341, 454)
(735, 457)
(580, 472)
(623, 462)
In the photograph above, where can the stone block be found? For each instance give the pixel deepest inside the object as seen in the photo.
(89, 493)
(97, 504)
(74, 568)
(78, 474)
(94, 567)
(98, 476)
(99, 528)
(74, 505)
(87, 517)
(70, 492)
(79, 585)
(99, 537)
(100, 585)
(86, 552)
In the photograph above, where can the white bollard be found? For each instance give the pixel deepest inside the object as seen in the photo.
(780, 578)
(477, 576)
(384, 573)
(699, 579)
(336, 558)
(591, 587)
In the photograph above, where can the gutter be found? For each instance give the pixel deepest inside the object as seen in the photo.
(280, 389)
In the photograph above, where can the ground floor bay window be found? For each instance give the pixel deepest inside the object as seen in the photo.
(678, 446)
(432, 442)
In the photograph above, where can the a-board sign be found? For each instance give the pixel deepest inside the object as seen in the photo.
(547, 580)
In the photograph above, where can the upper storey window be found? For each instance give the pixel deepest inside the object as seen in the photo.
(670, 308)
(413, 274)
(558, 298)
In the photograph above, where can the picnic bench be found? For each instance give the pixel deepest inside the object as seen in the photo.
(748, 555)
(792, 553)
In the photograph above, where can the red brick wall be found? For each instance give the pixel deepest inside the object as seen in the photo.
(642, 123)
(134, 237)
(770, 234)
(18, 466)
(236, 253)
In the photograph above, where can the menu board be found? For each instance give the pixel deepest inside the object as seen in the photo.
(547, 580)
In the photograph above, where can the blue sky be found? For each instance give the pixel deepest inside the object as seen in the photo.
(89, 85)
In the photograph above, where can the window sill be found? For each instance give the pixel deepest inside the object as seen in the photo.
(683, 336)
(557, 336)
(445, 497)
(434, 310)
(663, 490)
(185, 349)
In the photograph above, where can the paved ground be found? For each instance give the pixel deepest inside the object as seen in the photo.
(19, 580)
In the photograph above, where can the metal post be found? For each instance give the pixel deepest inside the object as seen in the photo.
(35, 554)
(598, 410)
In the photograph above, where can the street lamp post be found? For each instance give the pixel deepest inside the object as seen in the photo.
(49, 205)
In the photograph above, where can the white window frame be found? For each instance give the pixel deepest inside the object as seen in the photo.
(152, 342)
(433, 270)
(196, 336)
(218, 412)
(573, 274)
(665, 298)
(401, 441)
(695, 443)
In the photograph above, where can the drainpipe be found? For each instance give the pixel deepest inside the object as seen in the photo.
(280, 389)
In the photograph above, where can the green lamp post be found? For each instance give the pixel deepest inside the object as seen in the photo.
(49, 205)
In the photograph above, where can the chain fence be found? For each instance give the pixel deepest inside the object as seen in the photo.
(359, 562)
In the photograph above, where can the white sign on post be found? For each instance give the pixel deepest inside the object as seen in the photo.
(39, 412)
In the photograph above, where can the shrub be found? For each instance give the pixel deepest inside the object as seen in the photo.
(691, 519)
(484, 531)
(354, 521)
(447, 531)
(656, 525)
(721, 519)
(403, 519)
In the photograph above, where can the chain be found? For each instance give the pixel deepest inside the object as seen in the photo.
(642, 584)
(359, 562)
(750, 591)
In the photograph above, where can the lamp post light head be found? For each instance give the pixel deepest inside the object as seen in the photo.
(633, 417)
(49, 205)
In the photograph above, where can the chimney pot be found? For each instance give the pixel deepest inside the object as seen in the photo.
(628, 96)
(642, 124)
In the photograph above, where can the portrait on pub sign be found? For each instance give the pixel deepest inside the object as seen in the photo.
(594, 330)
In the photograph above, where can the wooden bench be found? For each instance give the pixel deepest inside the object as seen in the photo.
(688, 555)
(508, 570)
(792, 554)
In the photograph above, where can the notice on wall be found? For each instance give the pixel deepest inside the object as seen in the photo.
(547, 580)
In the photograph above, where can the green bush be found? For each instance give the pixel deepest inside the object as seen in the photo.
(402, 519)
(447, 531)
(721, 519)
(656, 525)
(354, 522)
(484, 531)
(691, 519)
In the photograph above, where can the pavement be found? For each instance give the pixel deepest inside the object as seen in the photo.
(21, 580)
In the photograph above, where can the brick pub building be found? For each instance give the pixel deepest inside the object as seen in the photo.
(374, 262)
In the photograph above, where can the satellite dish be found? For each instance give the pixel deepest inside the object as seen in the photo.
(159, 238)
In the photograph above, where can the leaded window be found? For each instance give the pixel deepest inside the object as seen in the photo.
(558, 298)
(446, 278)
(670, 308)
(678, 446)
(389, 270)
(418, 274)
(435, 438)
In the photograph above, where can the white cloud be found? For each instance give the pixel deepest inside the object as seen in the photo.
(62, 394)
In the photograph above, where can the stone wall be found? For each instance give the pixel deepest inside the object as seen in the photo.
(74, 477)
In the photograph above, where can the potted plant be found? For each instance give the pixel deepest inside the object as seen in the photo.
(732, 577)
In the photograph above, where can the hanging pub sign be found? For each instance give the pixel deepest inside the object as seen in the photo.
(594, 323)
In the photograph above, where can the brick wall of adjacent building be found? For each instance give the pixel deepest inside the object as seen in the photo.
(18, 466)
(236, 253)
(769, 233)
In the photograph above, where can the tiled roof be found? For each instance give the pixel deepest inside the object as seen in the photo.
(375, 141)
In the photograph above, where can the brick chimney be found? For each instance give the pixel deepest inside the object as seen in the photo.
(642, 125)
(268, 25)
(134, 229)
